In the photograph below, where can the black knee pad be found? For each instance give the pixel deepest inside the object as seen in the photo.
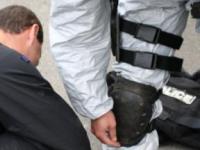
(133, 106)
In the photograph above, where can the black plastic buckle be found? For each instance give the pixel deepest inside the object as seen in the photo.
(195, 10)
(148, 33)
(146, 60)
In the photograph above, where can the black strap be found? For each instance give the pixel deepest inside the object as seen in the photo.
(115, 34)
(196, 10)
(150, 60)
(150, 34)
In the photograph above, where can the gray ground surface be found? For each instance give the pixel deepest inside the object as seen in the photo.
(190, 52)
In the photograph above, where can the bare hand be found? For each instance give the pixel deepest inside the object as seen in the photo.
(104, 128)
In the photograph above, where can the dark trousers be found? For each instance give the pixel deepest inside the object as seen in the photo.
(10, 141)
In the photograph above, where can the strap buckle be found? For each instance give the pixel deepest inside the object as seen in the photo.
(148, 33)
(146, 60)
(196, 10)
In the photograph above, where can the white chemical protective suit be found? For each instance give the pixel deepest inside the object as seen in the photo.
(80, 43)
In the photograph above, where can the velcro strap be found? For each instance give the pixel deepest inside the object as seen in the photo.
(151, 61)
(150, 34)
(196, 10)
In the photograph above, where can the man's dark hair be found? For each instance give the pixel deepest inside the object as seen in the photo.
(16, 19)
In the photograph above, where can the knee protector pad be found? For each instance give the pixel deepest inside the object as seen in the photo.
(133, 106)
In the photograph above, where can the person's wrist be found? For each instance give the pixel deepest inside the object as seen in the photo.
(103, 115)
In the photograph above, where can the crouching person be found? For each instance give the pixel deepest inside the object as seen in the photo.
(32, 115)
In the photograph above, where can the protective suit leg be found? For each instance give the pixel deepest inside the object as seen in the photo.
(171, 17)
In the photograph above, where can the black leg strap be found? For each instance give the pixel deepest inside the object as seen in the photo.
(150, 60)
(150, 34)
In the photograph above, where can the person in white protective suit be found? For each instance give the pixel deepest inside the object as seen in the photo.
(80, 43)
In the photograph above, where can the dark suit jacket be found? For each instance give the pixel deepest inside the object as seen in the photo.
(30, 108)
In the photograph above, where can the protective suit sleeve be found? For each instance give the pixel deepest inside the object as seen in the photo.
(80, 43)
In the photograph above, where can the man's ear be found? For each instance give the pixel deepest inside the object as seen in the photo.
(33, 32)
